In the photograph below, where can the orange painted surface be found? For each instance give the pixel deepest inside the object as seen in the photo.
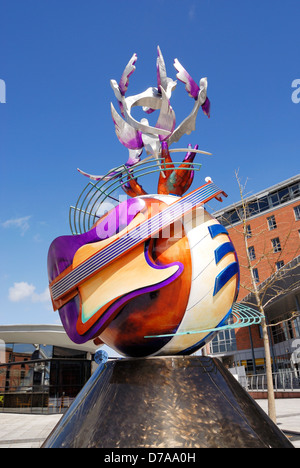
(154, 313)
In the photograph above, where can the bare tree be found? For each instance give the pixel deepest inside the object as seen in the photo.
(274, 286)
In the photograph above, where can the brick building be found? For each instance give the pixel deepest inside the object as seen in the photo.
(272, 230)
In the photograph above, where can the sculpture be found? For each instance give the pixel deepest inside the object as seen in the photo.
(157, 274)
(154, 275)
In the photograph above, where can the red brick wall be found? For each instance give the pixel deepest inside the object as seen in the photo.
(243, 338)
(288, 232)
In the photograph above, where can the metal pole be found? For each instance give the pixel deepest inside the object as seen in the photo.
(252, 351)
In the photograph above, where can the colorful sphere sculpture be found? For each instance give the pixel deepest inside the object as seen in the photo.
(156, 274)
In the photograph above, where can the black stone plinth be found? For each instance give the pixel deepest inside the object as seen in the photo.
(165, 402)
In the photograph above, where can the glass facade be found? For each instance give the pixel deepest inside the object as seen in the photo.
(224, 341)
(284, 330)
(262, 204)
(41, 379)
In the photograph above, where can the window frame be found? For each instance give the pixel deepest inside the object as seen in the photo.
(256, 275)
(276, 245)
(251, 252)
(277, 265)
(297, 212)
(271, 220)
(248, 231)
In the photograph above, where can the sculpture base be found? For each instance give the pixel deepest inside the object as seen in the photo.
(165, 402)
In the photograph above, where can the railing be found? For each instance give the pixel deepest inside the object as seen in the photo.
(282, 381)
(41, 386)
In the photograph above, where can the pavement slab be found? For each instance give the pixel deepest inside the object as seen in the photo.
(31, 430)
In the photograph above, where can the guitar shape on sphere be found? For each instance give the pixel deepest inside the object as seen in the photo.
(135, 266)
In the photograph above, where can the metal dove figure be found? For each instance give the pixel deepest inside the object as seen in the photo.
(138, 135)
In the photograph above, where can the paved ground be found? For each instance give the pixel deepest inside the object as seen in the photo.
(25, 430)
(30, 430)
(288, 417)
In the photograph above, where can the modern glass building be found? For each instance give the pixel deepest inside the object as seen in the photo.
(41, 370)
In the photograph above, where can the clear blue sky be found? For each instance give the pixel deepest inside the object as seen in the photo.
(57, 58)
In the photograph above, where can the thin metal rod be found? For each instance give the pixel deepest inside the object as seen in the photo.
(244, 318)
(90, 199)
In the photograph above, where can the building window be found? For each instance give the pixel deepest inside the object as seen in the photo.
(225, 340)
(296, 322)
(248, 231)
(255, 275)
(297, 212)
(274, 199)
(234, 218)
(263, 204)
(284, 195)
(271, 223)
(277, 333)
(279, 264)
(251, 253)
(252, 208)
(295, 191)
(276, 245)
